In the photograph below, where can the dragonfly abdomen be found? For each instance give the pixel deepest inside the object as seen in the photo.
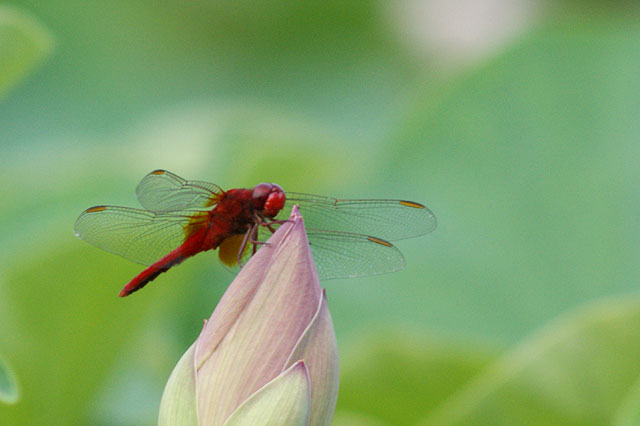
(143, 278)
(192, 245)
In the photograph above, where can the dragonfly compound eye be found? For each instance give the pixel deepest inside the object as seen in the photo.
(269, 198)
(275, 201)
(260, 194)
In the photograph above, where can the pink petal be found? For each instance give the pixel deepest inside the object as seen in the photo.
(257, 324)
(319, 350)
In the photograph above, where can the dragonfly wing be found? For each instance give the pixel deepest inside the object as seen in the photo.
(344, 255)
(163, 191)
(138, 235)
(390, 220)
(338, 254)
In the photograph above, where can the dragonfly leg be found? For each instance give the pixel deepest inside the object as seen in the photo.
(243, 246)
(274, 222)
(254, 239)
(263, 221)
(270, 224)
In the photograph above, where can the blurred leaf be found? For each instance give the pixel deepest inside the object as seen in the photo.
(575, 371)
(395, 377)
(23, 43)
(336, 63)
(66, 328)
(352, 419)
(8, 387)
(529, 162)
(629, 412)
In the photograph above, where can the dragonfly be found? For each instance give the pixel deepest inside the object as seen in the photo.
(181, 218)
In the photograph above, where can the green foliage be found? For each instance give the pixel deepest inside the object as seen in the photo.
(23, 43)
(351, 419)
(576, 371)
(397, 378)
(628, 413)
(528, 161)
(63, 336)
(581, 369)
(9, 393)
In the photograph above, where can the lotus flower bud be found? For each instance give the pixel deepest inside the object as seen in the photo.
(268, 354)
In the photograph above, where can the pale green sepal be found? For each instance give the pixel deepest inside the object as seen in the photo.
(23, 43)
(178, 405)
(284, 401)
(9, 393)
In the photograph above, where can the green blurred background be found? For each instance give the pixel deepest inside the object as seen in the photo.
(516, 122)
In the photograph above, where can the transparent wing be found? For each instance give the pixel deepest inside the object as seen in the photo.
(339, 254)
(349, 238)
(390, 220)
(163, 191)
(344, 255)
(138, 235)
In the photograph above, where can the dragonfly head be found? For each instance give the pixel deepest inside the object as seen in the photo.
(268, 198)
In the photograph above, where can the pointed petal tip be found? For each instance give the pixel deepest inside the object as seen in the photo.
(299, 366)
(295, 213)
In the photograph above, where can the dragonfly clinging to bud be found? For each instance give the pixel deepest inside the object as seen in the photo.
(181, 218)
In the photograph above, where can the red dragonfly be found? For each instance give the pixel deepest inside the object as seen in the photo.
(182, 218)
